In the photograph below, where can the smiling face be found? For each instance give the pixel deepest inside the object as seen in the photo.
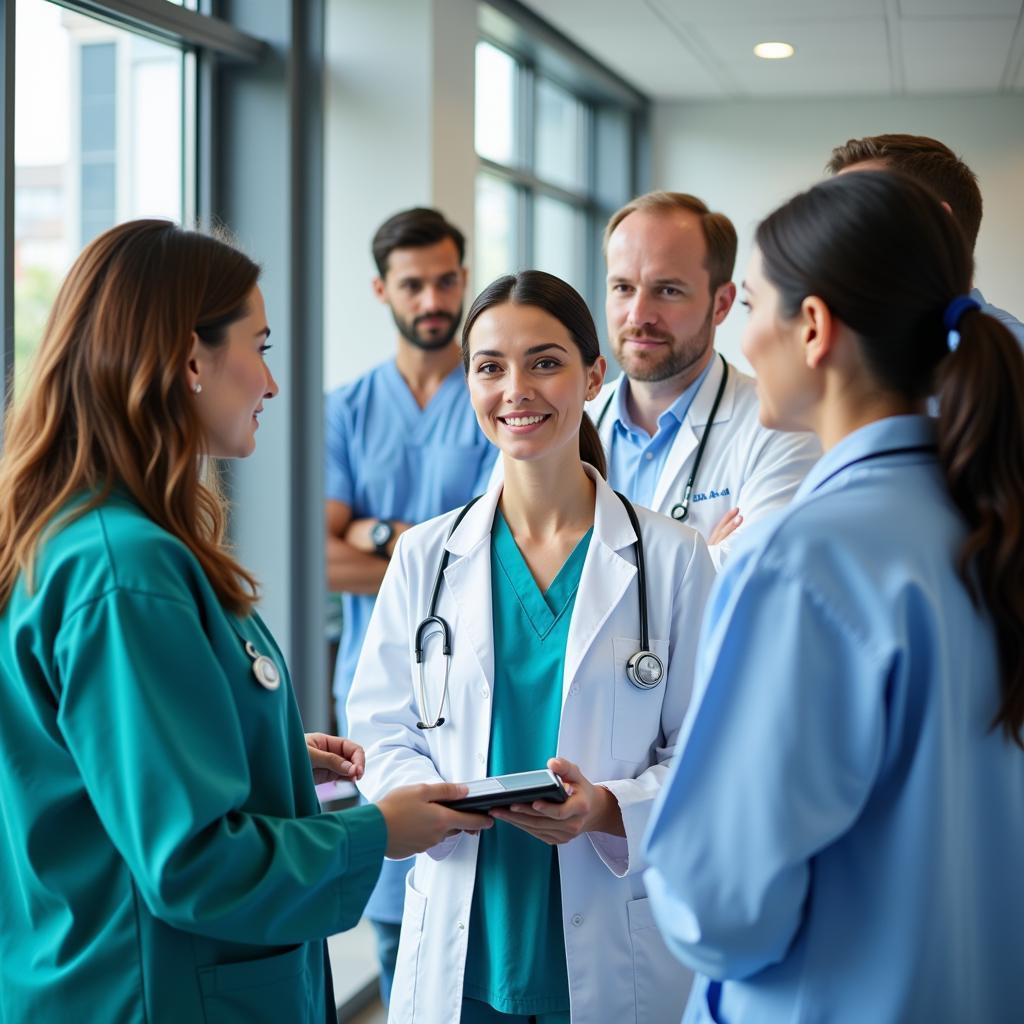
(527, 381)
(787, 387)
(660, 310)
(235, 381)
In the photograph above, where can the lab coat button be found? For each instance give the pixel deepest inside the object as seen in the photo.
(484, 692)
(480, 758)
(577, 920)
(573, 690)
(462, 927)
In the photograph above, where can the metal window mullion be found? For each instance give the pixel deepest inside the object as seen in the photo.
(7, 27)
(531, 182)
(172, 23)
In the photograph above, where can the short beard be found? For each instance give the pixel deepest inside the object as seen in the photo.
(408, 331)
(676, 358)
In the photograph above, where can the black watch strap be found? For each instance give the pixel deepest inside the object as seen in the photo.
(381, 533)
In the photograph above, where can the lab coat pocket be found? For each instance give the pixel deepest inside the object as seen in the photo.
(271, 989)
(403, 992)
(636, 723)
(660, 982)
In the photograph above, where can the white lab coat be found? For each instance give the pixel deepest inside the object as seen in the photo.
(745, 465)
(619, 968)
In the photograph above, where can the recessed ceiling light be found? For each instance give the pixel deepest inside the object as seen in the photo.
(774, 51)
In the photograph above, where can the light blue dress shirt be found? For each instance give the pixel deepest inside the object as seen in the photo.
(1008, 320)
(387, 458)
(636, 459)
(841, 838)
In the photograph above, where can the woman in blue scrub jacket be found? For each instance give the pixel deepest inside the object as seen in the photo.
(544, 918)
(164, 857)
(841, 838)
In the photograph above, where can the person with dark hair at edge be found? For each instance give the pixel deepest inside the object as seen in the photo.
(841, 836)
(936, 166)
(679, 425)
(164, 857)
(547, 625)
(402, 446)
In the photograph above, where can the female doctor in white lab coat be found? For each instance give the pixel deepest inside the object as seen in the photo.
(550, 922)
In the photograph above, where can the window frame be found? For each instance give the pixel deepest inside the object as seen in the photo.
(541, 53)
(203, 39)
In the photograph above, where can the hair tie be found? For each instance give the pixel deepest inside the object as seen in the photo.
(952, 316)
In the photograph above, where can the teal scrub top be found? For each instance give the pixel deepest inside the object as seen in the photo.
(516, 958)
(165, 857)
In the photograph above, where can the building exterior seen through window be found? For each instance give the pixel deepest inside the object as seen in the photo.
(99, 129)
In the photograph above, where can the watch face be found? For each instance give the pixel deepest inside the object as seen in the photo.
(381, 534)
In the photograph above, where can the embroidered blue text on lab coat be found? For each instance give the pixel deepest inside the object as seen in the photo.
(708, 495)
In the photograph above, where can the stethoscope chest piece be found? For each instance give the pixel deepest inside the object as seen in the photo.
(263, 668)
(645, 670)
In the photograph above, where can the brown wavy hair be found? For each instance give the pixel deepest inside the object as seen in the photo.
(107, 404)
(887, 259)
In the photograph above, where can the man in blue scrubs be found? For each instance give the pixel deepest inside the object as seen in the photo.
(402, 446)
(937, 167)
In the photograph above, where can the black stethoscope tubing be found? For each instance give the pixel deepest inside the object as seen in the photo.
(681, 509)
(645, 670)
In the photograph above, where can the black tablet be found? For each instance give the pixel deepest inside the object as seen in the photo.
(502, 790)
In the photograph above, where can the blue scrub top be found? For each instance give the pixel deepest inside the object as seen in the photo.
(840, 838)
(388, 459)
(516, 958)
(635, 459)
(1008, 320)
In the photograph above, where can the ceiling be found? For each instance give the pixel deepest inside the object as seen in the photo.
(703, 49)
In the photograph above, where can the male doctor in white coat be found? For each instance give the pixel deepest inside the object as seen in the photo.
(670, 264)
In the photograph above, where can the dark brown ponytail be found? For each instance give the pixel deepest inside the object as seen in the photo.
(887, 259)
(566, 305)
(981, 424)
(591, 449)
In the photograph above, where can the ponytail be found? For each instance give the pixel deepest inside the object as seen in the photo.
(981, 448)
(591, 449)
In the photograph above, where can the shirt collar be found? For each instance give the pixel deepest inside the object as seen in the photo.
(892, 432)
(675, 412)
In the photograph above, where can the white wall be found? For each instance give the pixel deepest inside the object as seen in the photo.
(745, 157)
(399, 133)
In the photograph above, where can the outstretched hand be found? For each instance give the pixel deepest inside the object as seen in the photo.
(589, 808)
(333, 758)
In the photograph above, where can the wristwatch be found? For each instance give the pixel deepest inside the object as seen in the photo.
(381, 533)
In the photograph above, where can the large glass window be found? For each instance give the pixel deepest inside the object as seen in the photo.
(99, 127)
(554, 164)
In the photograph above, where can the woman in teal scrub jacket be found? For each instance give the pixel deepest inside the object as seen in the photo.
(163, 856)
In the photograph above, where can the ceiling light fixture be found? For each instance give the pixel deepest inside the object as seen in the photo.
(774, 51)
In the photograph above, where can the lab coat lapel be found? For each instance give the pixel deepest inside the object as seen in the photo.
(468, 578)
(670, 483)
(605, 578)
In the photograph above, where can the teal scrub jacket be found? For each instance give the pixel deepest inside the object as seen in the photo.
(164, 857)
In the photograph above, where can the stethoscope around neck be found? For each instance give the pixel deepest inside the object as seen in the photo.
(681, 509)
(644, 670)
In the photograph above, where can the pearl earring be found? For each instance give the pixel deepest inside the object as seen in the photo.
(197, 388)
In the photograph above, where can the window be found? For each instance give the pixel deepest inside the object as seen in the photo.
(554, 163)
(99, 127)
